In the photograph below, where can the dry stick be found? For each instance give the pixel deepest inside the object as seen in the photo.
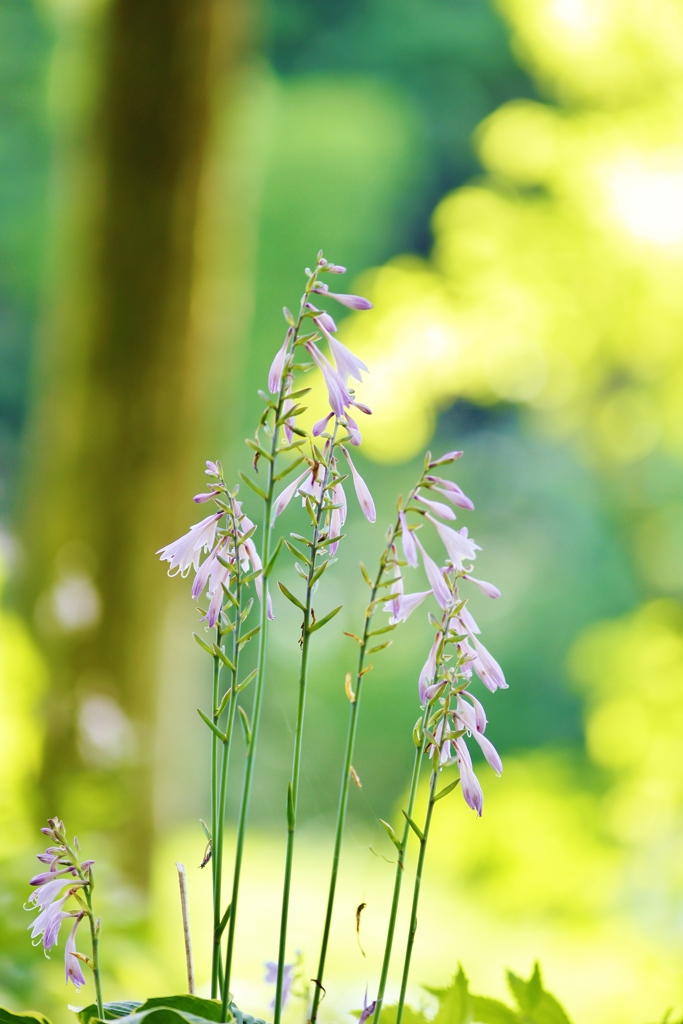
(182, 880)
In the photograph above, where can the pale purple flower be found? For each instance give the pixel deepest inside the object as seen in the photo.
(338, 517)
(443, 596)
(465, 621)
(469, 783)
(213, 468)
(408, 542)
(322, 319)
(350, 301)
(49, 921)
(486, 588)
(476, 709)
(312, 485)
(437, 507)
(186, 551)
(487, 668)
(451, 491)
(346, 362)
(354, 433)
(403, 607)
(74, 972)
(46, 877)
(253, 556)
(362, 493)
(47, 891)
(335, 268)
(429, 668)
(337, 392)
(448, 457)
(283, 499)
(457, 543)
(287, 979)
(278, 365)
(393, 605)
(368, 1008)
(472, 718)
(321, 424)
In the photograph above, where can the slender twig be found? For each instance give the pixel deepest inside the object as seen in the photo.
(95, 942)
(182, 882)
(384, 563)
(261, 664)
(293, 790)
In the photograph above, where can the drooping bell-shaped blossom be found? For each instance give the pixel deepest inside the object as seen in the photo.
(354, 433)
(469, 783)
(320, 425)
(451, 491)
(278, 365)
(338, 517)
(402, 609)
(287, 979)
(487, 668)
(443, 596)
(348, 364)
(253, 556)
(72, 965)
(49, 922)
(312, 487)
(408, 541)
(471, 720)
(486, 588)
(284, 498)
(362, 492)
(201, 499)
(337, 391)
(474, 708)
(437, 507)
(465, 623)
(322, 319)
(350, 301)
(208, 566)
(49, 890)
(368, 1009)
(186, 551)
(429, 668)
(458, 545)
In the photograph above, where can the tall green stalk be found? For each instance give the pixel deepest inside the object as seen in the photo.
(320, 513)
(416, 891)
(95, 943)
(219, 829)
(267, 495)
(354, 697)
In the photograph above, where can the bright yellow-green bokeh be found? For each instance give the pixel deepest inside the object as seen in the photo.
(555, 280)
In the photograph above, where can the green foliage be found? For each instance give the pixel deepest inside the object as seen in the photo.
(7, 1017)
(182, 1009)
(457, 1005)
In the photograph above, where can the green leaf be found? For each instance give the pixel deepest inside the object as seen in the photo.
(246, 728)
(297, 554)
(248, 636)
(380, 647)
(390, 832)
(7, 1017)
(254, 487)
(257, 448)
(205, 647)
(245, 682)
(320, 570)
(273, 558)
(410, 1016)
(490, 1011)
(366, 574)
(212, 727)
(285, 472)
(537, 1005)
(416, 830)
(323, 622)
(455, 1002)
(446, 790)
(290, 597)
(220, 653)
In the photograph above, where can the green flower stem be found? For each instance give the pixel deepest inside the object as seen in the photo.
(215, 697)
(400, 865)
(223, 784)
(416, 892)
(348, 757)
(293, 791)
(95, 942)
(261, 670)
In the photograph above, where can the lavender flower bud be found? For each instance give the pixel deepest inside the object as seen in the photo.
(458, 545)
(351, 301)
(408, 542)
(487, 668)
(437, 507)
(451, 491)
(445, 459)
(277, 366)
(443, 596)
(486, 588)
(362, 492)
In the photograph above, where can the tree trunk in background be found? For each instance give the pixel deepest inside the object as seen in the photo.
(124, 408)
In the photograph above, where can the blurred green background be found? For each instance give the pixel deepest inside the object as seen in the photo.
(505, 182)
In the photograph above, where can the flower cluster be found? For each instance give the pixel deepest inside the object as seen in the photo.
(64, 871)
(226, 538)
(457, 652)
